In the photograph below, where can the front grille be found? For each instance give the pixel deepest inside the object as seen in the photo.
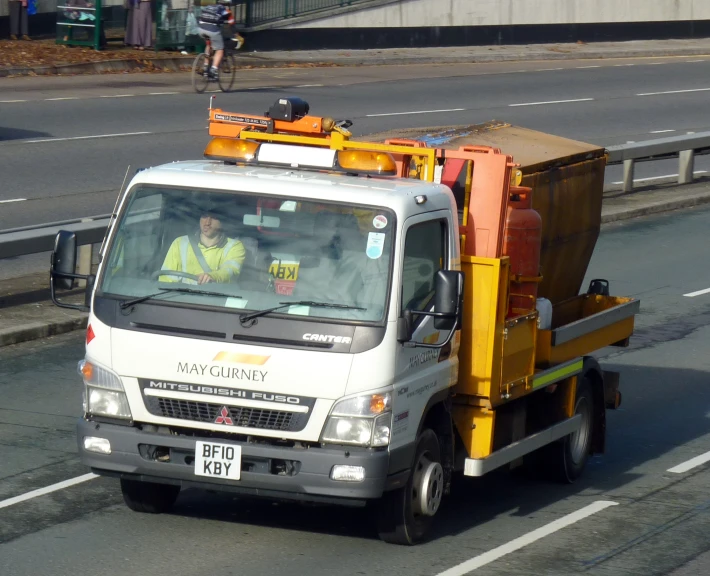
(242, 416)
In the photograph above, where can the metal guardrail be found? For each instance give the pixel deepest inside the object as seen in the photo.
(89, 231)
(40, 238)
(685, 148)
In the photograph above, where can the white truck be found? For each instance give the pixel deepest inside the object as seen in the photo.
(301, 316)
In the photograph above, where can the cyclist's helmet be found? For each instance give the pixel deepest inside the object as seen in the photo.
(225, 2)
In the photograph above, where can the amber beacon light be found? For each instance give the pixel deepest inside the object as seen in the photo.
(365, 162)
(231, 150)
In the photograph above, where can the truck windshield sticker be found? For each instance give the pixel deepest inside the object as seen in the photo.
(375, 245)
(379, 221)
(235, 303)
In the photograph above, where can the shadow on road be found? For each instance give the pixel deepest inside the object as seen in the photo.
(7, 134)
(662, 409)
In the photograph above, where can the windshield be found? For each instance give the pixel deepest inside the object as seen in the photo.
(247, 252)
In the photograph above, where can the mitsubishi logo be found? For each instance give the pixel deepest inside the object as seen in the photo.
(224, 418)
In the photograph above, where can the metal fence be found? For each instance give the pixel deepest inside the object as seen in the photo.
(257, 12)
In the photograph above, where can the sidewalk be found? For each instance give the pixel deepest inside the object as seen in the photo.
(27, 314)
(44, 57)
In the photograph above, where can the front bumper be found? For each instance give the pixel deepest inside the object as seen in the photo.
(262, 473)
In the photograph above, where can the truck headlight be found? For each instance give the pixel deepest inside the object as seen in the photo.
(104, 394)
(362, 421)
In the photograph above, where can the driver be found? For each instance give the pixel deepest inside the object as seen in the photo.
(207, 254)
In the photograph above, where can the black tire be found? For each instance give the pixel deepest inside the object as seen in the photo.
(149, 497)
(199, 79)
(227, 72)
(400, 520)
(573, 451)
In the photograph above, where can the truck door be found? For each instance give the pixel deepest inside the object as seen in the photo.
(420, 372)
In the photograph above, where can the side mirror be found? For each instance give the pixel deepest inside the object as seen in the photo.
(448, 299)
(448, 310)
(62, 271)
(405, 326)
(63, 265)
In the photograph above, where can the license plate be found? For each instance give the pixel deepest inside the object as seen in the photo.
(218, 460)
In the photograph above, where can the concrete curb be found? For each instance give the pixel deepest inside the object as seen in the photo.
(656, 208)
(182, 63)
(37, 330)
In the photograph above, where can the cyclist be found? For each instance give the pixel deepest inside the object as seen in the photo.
(212, 18)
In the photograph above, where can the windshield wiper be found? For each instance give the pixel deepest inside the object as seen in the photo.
(129, 303)
(258, 314)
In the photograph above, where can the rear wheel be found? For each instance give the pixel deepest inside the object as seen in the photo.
(149, 497)
(200, 79)
(405, 515)
(227, 72)
(573, 451)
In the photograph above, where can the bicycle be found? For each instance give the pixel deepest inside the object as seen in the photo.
(227, 67)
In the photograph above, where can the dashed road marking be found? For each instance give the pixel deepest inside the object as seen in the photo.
(693, 295)
(551, 102)
(85, 137)
(47, 490)
(497, 553)
(703, 458)
(675, 92)
(416, 112)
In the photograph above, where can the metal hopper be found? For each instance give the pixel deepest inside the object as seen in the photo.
(567, 179)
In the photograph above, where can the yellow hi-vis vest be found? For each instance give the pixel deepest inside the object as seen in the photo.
(224, 258)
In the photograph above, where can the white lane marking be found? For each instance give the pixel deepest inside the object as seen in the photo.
(656, 63)
(661, 131)
(661, 177)
(551, 102)
(547, 69)
(693, 462)
(47, 490)
(416, 112)
(693, 295)
(118, 96)
(675, 92)
(492, 555)
(587, 67)
(693, 61)
(12, 200)
(65, 98)
(9, 101)
(621, 65)
(85, 137)
(309, 86)
(161, 93)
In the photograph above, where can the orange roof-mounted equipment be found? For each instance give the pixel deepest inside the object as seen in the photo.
(287, 135)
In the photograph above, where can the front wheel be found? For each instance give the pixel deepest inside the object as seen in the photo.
(149, 497)
(405, 515)
(227, 72)
(200, 78)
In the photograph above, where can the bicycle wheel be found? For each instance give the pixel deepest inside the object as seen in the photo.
(227, 72)
(199, 78)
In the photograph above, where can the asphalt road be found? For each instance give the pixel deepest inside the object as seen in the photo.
(656, 522)
(66, 143)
